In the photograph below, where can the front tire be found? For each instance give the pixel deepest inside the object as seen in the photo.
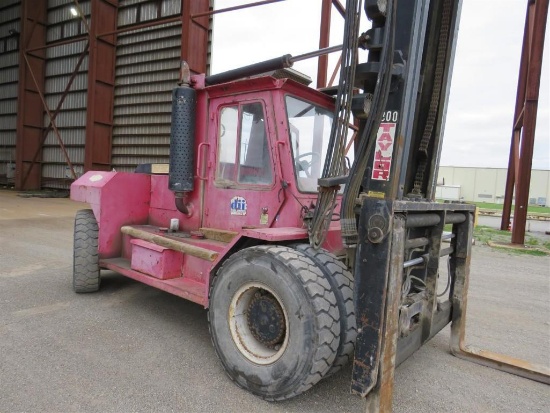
(86, 277)
(274, 321)
(341, 281)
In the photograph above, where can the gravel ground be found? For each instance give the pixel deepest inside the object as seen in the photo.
(132, 348)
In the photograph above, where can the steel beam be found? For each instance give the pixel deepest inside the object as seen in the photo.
(195, 24)
(146, 25)
(324, 39)
(206, 13)
(525, 120)
(30, 120)
(101, 86)
(75, 39)
(339, 7)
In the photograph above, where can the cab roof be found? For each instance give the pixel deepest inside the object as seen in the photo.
(262, 83)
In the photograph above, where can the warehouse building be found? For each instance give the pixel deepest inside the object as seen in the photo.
(487, 185)
(86, 84)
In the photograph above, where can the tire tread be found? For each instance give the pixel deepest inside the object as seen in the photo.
(341, 281)
(325, 306)
(85, 253)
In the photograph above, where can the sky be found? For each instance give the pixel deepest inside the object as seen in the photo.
(485, 74)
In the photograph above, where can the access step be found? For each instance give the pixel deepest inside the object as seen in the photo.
(169, 243)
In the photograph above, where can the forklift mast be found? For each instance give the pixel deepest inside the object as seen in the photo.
(389, 193)
(400, 300)
(416, 44)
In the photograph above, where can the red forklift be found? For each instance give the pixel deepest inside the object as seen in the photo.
(310, 246)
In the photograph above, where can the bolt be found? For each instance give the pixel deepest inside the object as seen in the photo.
(277, 347)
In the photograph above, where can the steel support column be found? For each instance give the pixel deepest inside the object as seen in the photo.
(30, 120)
(101, 86)
(195, 24)
(324, 39)
(525, 119)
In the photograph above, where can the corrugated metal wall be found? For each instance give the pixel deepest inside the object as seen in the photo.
(71, 121)
(146, 71)
(10, 27)
(147, 66)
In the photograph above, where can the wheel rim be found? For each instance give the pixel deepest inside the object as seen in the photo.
(258, 323)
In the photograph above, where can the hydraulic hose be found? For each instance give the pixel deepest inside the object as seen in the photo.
(335, 160)
(368, 135)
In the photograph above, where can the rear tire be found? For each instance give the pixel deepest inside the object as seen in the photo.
(341, 282)
(274, 321)
(86, 278)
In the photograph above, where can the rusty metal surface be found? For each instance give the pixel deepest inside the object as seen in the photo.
(394, 327)
(525, 119)
(324, 39)
(460, 267)
(29, 105)
(195, 33)
(512, 365)
(381, 397)
(370, 292)
(101, 86)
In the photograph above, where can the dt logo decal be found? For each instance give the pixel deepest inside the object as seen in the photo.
(238, 205)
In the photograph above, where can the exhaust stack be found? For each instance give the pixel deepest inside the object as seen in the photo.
(182, 139)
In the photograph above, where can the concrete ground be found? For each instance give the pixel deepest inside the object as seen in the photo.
(132, 348)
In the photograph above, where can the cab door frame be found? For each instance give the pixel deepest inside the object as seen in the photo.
(262, 202)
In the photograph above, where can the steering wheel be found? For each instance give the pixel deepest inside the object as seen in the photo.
(304, 165)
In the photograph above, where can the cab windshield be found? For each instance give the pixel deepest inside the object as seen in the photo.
(309, 127)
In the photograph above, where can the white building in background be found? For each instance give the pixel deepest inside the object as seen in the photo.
(487, 185)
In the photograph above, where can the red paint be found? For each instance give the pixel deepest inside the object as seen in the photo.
(117, 199)
(269, 212)
(181, 287)
(154, 260)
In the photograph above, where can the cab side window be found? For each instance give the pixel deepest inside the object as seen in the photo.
(243, 151)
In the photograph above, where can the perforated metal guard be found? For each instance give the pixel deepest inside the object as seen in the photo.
(182, 139)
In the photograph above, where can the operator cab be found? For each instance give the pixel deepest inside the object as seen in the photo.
(272, 138)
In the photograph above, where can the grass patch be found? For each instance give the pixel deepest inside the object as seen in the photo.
(483, 235)
(498, 207)
(532, 242)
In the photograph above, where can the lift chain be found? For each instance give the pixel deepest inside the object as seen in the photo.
(434, 103)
